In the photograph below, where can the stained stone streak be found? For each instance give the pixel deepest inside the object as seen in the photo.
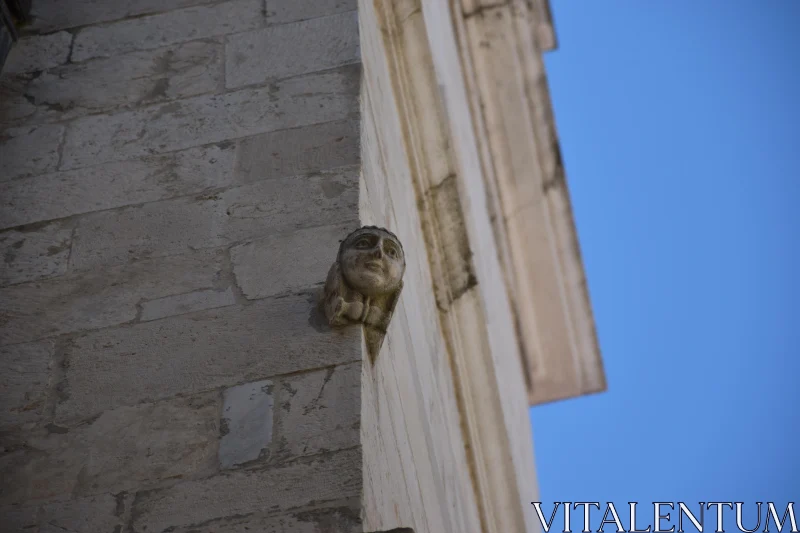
(174, 178)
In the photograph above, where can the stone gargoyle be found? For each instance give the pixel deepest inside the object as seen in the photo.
(364, 283)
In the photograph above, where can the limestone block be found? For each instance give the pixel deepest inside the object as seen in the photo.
(297, 151)
(19, 519)
(50, 15)
(29, 150)
(201, 120)
(199, 351)
(241, 492)
(334, 517)
(123, 449)
(294, 10)
(269, 266)
(179, 304)
(110, 185)
(163, 29)
(24, 374)
(291, 49)
(38, 52)
(14, 107)
(137, 78)
(219, 219)
(246, 423)
(320, 411)
(34, 253)
(101, 298)
(103, 512)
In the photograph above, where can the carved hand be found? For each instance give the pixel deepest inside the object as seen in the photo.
(338, 317)
(354, 309)
(376, 317)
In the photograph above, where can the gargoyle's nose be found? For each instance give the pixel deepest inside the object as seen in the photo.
(378, 253)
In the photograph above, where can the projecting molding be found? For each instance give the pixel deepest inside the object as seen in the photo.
(460, 159)
(500, 47)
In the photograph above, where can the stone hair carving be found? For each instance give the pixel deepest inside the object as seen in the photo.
(364, 283)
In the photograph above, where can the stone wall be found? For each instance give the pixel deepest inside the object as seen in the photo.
(175, 176)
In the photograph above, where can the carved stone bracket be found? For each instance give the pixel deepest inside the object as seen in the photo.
(364, 283)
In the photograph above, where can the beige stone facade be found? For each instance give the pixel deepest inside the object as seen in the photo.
(175, 179)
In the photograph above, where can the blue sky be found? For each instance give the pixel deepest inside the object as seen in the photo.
(680, 129)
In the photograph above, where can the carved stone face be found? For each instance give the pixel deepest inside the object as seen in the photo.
(372, 261)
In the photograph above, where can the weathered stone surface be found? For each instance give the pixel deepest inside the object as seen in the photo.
(336, 517)
(282, 12)
(24, 374)
(29, 150)
(200, 351)
(276, 154)
(212, 220)
(320, 411)
(269, 266)
(133, 182)
(50, 15)
(104, 513)
(34, 254)
(296, 151)
(110, 185)
(291, 49)
(137, 78)
(38, 53)
(14, 107)
(19, 519)
(163, 29)
(332, 477)
(295, 102)
(246, 423)
(126, 448)
(101, 298)
(179, 304)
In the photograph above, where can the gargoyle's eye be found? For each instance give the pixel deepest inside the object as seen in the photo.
(391, 252)
(362, 243)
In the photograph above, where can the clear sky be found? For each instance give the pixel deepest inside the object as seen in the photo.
(680, 129)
